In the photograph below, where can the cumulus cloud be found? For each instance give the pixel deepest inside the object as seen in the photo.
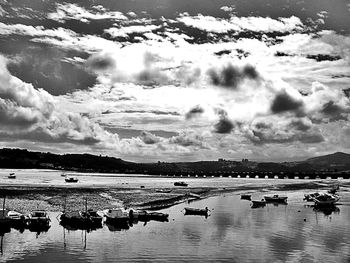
(187, 139)
(224, 125)
(231, 76)
(68, 11)
(149, 138)
(128, 30)
(238, 24)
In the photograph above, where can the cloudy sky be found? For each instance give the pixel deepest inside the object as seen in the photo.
(180, 80)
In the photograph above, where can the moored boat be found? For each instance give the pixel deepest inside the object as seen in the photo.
(157, 216)
(17, 220)
(12, 176)
(276, 198)
(196, 211)
(116, 216)
(95, 217)
(258, 203)
(38, 218)
(310, 197)
(71, 179)
(180, 184)
(246, 196)
(77, 219)
(326, 199)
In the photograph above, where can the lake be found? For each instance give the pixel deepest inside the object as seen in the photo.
(234, 232)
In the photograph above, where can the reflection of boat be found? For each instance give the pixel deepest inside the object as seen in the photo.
(246, 196)
(38, 219)
(327, 210)
(71, 179)
(12, 176)
(258, 203)
(180, 184)
(119, 226)
(276, 199)
(326, 199)
(196, 211)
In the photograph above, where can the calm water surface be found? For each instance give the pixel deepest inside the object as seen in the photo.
(234, 232)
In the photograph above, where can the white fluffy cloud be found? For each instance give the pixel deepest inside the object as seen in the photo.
(70, 11)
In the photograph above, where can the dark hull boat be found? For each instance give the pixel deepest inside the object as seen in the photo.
(196, 211)
(180, 184)
(246, 196)
(38, 218)
(276, 199)
(258, 203)
(71, 180)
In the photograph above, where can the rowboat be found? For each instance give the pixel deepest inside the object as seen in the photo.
(276, 198)
(196, 211)
(246, 196)
(326, 199)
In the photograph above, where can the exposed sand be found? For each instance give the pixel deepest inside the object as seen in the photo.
(105, 191)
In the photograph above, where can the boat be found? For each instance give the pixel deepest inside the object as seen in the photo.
(333, 190)
(71, 179)
(38, 218)
(116, 216)
(326, 199)
(180, 184)
(12, 176)
(163, 190)
(196, 211)
(276, 198)
(95, 217)
(157, 216)
(258, 203)
(17, 220)
(246, 196)
(76, 219)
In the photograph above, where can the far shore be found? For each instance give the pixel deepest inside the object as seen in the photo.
(55, 198)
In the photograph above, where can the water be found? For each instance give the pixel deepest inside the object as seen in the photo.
(234, 232)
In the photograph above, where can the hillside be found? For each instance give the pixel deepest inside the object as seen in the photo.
(338, 160)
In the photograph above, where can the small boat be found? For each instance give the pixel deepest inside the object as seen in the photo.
(180, 184)
(12, 176)
(276, 198)
(163, 190)
(17, 220)
(116, 216)
(196, 211)
(95, 217)
(38, 218)
(76, 219)
(257, 203)
(246, 196)
(157, 216)
(71, 179)
(326, 199)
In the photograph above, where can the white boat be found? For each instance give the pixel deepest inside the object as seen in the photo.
(326, 199)
(116, 216)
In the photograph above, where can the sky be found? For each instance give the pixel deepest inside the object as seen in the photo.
(184, 80)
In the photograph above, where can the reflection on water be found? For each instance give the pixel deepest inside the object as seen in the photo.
(233, 233)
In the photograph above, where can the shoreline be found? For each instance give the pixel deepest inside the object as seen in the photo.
(55, 198)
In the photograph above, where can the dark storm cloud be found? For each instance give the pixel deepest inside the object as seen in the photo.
(100, 62)
(149, 138)
(283, 102)
(231, 76)
(195, 111)
(223, 126)
(45, 67)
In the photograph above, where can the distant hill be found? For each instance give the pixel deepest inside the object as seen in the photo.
(338, 160)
